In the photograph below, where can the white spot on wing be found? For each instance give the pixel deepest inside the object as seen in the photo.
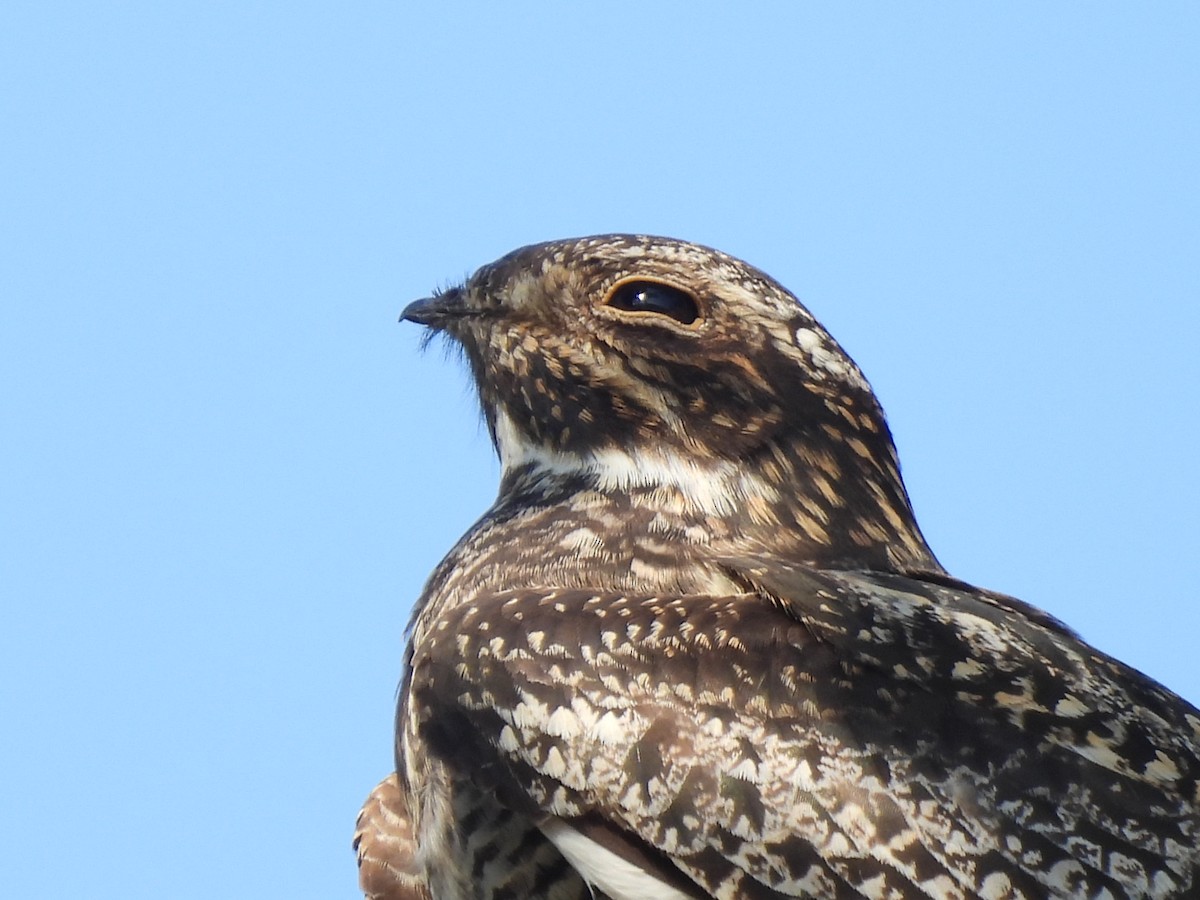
(508, 739)
(563, 723)
(617, 877)
(554, 765)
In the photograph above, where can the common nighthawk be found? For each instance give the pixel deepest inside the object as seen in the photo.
(698, 646)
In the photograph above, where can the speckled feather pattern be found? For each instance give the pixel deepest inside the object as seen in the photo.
(700, 629)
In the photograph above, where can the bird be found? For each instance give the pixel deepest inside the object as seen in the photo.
(699, 647)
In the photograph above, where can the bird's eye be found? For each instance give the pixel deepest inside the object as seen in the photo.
(653, 297)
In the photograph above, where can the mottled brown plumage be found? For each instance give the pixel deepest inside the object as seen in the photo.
(698, 646)
(386, 846)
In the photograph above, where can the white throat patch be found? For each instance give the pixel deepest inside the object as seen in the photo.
(712, 487)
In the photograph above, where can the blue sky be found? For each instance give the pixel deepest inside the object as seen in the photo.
(227, 470)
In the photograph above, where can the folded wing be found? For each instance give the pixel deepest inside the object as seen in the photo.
(821, 734)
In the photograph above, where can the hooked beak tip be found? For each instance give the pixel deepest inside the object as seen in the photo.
(438, 311)
(424, 311)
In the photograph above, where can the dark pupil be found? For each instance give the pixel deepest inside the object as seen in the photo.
(648, 296)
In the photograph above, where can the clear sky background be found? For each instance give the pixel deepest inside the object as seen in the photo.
(226, 470)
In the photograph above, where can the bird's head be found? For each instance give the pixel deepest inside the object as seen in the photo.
(653, 365)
